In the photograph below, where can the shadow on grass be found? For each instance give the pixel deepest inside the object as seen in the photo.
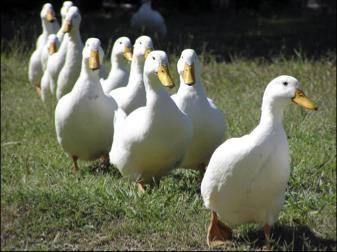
(285, 237)
(98, 168)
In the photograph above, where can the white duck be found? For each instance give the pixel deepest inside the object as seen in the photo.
(60, 33)
(133, 95)
(246, 178)
(56, 62)
(207, 119)
(72, 65)
(119, 74)
(51, 47)
(152, 140)
(148, 20)
(49, 26)
(84, 117)
(64, 10)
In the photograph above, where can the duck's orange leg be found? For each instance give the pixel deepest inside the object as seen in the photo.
(75, 167)
(218, 233)
(140, 184)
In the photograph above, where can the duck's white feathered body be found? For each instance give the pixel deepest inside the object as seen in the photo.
(46, 89)
(133, 96)
(84, 123)
(56, 62)
(208, 128)
(150, 145)
(49, 26)
(148, 20)
(152, 140)
(64, 9)
(130, 97)
(121, 53)
(35, 68)
(207, 119)
(246, 178)
(118, 77)
(84, 117)
(71, 68)
(72, 65)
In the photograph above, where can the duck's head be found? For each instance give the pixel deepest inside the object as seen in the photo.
(122, 47)
(142, 47)
(72, 20)
(284, 89)
(188, 66)
(52, 44)
(47, 13)
(93, 54)
(65, 7)
(156, 66)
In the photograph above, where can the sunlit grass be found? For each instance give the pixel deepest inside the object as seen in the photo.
(44, 206)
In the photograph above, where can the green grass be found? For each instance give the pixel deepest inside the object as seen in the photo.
(45, 207)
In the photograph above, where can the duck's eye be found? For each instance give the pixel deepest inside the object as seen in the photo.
(285, 83)
(140, 43)
(120, 42)
(154, 58)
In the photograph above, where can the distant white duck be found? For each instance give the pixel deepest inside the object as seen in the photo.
(60, 34)
(55, 63)
(64, 10)
(72, 65)
(152, 140)
(246, 178)
(49, 26)
(57, 59)
(119, 74)
(207, 119)
(84, 117)
(148, 20)
(133, 95)
(51, 47)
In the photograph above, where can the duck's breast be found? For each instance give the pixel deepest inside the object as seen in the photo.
(245, 180)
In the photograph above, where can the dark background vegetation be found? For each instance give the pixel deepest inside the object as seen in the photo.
(223, 28)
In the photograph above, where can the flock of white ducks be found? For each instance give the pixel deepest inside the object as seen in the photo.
(131, 119)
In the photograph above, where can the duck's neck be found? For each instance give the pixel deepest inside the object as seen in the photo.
(196, 88)
(136, 71)
(117, 61)
(63, 47)
(272, 114)
(47, 27)
(155, 92)
(89, 81)
(75, 35)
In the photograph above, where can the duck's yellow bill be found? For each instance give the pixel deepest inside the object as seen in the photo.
(304, 101)
(165, 77)
(127, 53)
(94, 60)
(52, 48)
(67, 26)
(188, 75)
(147, 52)
(50, 16)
